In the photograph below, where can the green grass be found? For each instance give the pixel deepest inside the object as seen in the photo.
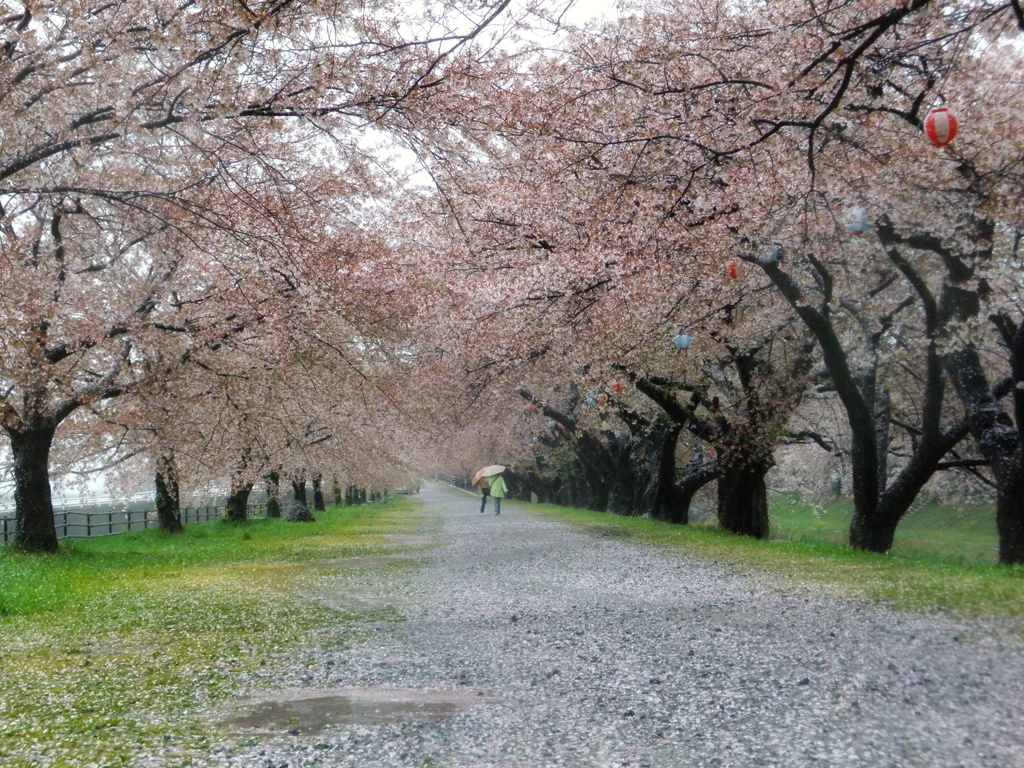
(924, 582)
(116, 647)
(964, 533)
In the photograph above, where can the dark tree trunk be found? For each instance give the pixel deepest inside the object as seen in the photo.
(879, 505)
(1010, 518)
(33, 515)
(694, 478)
(318, 494)
(883, 413)
(742, 497)
(666, 494)
(875, 518)
(597, 464)
(237, 506)
(671, 499)
(624, 486)
(743, 500)
(168, 499)
(872, 532)
(273, 480)
(336, 490)
(299, 491)
(598, 470)
(678, 511)
(1000, 441)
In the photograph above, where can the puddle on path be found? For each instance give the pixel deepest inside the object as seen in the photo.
(313, 711)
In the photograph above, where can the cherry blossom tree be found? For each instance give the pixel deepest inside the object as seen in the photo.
(145, 143)
(943, 229)
(679, 142)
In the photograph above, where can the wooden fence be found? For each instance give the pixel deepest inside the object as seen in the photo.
(82, 524)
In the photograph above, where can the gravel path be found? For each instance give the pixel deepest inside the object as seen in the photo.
(528, 644)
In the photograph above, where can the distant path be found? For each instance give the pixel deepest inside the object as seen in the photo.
(527, 644)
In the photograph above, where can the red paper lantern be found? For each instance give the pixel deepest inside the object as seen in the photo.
(734, 271)
(940, 126)
(618, 386)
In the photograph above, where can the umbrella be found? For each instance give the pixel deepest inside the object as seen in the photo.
(491, 471)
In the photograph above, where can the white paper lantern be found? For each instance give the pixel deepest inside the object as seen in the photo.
(857, 221)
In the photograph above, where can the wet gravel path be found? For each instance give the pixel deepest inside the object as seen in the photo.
(526, 644)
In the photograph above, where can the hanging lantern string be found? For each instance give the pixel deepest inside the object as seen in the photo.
(711, 313)
(958, 48)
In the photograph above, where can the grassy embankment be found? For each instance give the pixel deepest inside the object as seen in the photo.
(117, 647)
(943, 560)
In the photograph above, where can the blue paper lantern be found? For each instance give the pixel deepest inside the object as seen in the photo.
(683, 341)
(857, 221)
(768, 254)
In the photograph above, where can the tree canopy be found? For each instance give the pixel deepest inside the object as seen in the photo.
(316, 237)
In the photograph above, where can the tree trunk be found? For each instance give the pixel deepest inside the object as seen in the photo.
(1000, 441)
(318, 494)
(33, 502)
(237, 506)
(883, 412)
(655, 456)
(694, 478)
(336, 490)
(598, 469)
(872, 532)
(273, 480)
(743, 500)
(168, 500)
(299, 491)
(672, 498)
(623, 486)
(1010, 518)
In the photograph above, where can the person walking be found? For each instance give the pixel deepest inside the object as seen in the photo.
(485, 488)
(498, 491)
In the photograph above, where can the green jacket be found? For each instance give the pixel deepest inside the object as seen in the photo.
(498, 487)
